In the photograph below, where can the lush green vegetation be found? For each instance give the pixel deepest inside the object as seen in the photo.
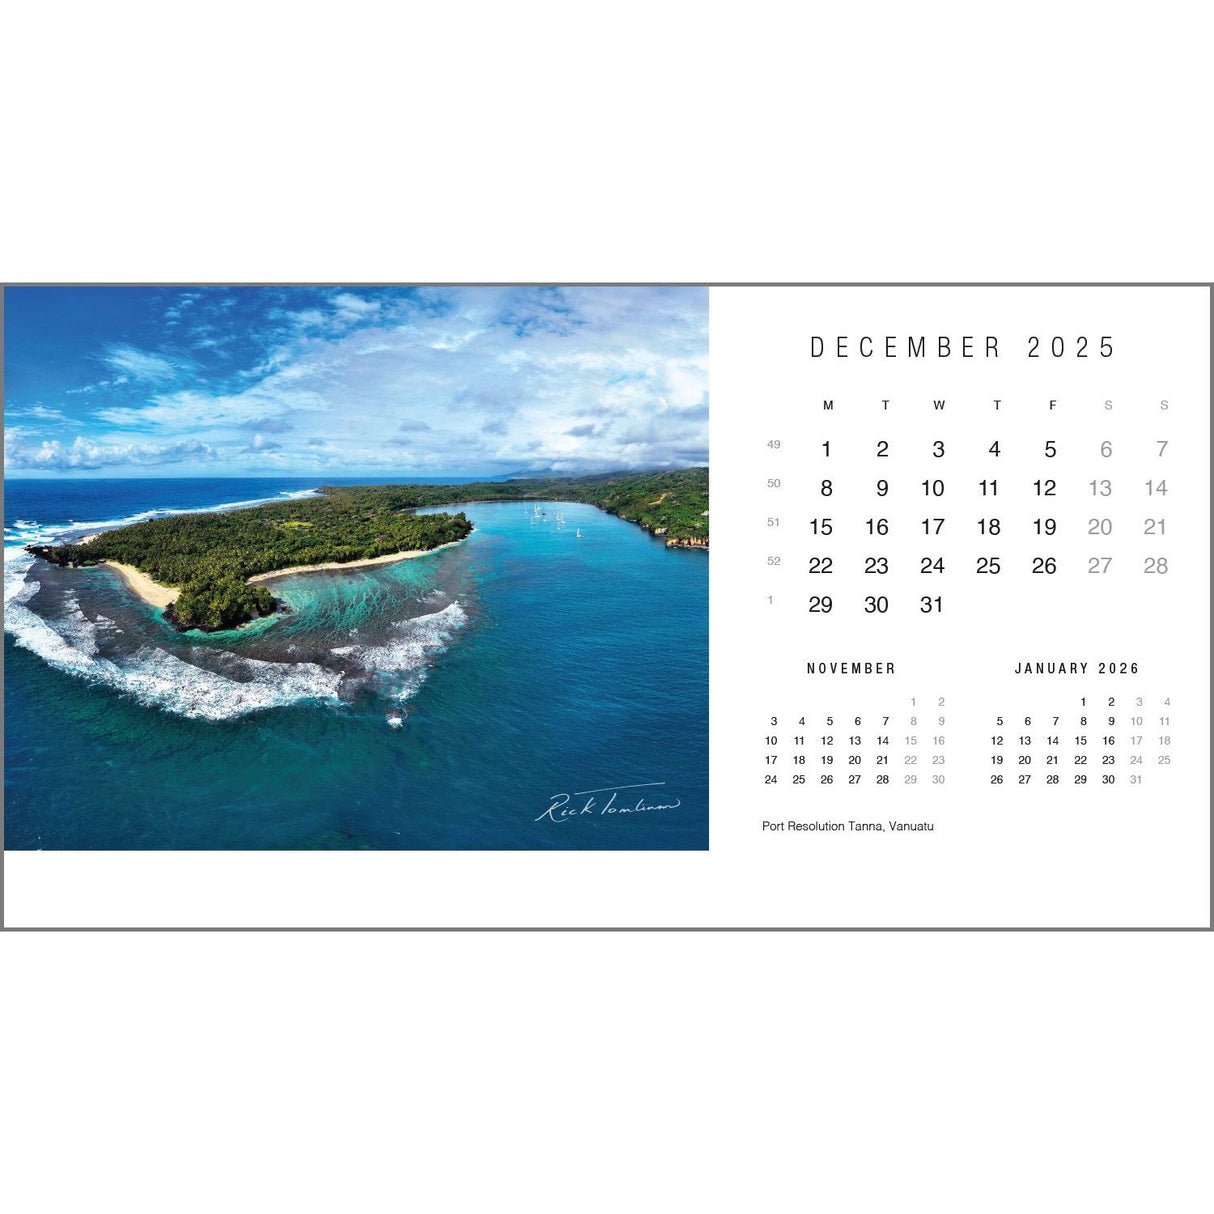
(218, 602)
(673, 505)
(211, 556)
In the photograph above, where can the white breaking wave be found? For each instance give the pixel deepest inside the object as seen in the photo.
(405, 657)
(76, 628)
(160, 679)
(17, 561)
(152, 675)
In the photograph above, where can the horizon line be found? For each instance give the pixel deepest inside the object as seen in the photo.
(85, 475)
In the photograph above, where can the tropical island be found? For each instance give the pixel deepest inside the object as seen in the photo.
(203, 568)
(206, 569)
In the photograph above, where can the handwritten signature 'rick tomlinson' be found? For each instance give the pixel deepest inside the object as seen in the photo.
(618, 799)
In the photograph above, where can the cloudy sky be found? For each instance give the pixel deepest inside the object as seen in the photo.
(219, 381)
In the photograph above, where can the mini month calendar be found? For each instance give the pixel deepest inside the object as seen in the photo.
(971, 566)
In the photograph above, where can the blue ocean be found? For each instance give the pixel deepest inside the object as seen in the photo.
(542, 685)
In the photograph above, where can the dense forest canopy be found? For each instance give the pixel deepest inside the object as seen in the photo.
(669, 504)
(211, 556)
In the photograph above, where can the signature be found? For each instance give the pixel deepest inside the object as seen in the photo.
(618, 799)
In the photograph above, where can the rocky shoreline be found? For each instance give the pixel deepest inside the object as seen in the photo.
(660, 533)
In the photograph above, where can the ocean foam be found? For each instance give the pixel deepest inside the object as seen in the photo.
(403, 660)
(76, 628)
(16, 565)
(160, 679)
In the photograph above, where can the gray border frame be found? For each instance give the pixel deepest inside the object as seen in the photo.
(1209, 287)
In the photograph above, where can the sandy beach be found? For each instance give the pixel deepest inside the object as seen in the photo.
(143, 586)
(161, 596)
(390, 559)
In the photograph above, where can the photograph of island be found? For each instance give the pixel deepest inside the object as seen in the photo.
(351, 567)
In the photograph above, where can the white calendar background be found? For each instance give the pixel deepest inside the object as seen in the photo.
(920, 525)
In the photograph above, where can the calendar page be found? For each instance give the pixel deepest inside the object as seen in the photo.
(961, 605)
(608, 606)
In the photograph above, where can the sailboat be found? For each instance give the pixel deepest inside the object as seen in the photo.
(579, 534)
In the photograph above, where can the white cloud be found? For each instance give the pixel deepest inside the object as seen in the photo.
(141, 365)
(20, 453)
(41, 413)
(191, 411)
(352, 307)
(115, 382)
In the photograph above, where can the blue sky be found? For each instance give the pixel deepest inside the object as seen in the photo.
(222, 381)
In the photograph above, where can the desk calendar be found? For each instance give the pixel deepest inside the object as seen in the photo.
(942, 661)
(974, 524)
